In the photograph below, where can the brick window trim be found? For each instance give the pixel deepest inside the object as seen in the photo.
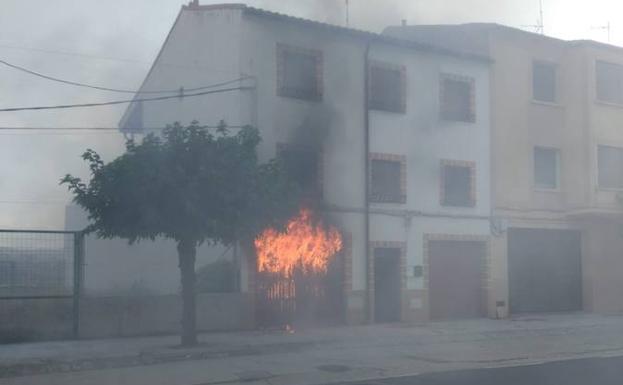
(402, 159)
(372, 245)
(403, 81)
(319, 159)
(457, 163)
(472, 94)
(280, 60)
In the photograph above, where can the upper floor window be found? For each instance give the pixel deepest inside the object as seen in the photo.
(303, 166)
(546, 166)
(544, 82)
(387, 178)
(457, 98)
(458, 183)
(609, 82)
(387, 87)
(610, 167)
(299, 73)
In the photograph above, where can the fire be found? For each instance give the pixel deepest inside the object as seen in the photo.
(304, 244)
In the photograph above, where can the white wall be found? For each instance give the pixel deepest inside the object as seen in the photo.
(247, 44)
(337, 125)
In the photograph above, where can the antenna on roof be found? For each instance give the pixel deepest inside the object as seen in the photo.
(604, 27)
(539, 27)
(347, 13)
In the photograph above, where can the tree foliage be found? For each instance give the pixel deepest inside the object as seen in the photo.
(191, 185)
(188, 184)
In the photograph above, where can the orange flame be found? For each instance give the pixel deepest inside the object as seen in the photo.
(303, 245)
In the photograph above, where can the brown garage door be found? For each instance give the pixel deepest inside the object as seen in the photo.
(544, 270)
(456, 279)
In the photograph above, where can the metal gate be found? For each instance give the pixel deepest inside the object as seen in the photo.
(305, 298)
(41, 275)
(545, 270)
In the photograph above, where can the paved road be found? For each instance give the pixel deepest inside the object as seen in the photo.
(593, 371)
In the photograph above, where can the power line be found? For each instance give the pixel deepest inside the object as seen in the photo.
(72, 131)
(78, 84)
(114, 102)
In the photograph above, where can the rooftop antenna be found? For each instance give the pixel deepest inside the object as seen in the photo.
(539, 26)
(604, 27)
(347, 13)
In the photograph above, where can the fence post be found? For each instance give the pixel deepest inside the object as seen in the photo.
(78, 275)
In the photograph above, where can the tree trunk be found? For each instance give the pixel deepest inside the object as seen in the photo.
(187, 251)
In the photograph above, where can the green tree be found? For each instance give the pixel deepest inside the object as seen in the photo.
(190, 185)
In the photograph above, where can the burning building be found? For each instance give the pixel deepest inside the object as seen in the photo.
(391, 136)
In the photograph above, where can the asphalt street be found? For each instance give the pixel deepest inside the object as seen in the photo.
(593, 371)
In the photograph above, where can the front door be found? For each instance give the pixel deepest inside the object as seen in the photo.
(387, 283)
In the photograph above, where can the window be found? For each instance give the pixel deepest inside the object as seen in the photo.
(457, 184)
(387, 88)
(457, 98)
(302, 164)
(299, 73)
(546, 167)
(544, 82)
(387, 178)
(610, 165)
(609, 82)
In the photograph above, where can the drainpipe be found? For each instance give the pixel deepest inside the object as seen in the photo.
(366, 187)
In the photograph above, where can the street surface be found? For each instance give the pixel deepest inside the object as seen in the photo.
(593, 371)
(329, 355)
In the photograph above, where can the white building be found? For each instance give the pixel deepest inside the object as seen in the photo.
(426, 132)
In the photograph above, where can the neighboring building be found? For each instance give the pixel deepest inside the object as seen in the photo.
(557, 165)
(428, 121)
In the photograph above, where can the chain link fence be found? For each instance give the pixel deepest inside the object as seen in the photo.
(41, 274)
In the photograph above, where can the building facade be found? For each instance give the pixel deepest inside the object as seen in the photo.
(396, 135)
(556, 166)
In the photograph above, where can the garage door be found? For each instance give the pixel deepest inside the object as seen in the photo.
(456, 279)
(545, 273)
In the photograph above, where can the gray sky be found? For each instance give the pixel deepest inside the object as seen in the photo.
(112, 43)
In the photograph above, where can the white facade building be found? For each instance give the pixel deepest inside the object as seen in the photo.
(425, 253)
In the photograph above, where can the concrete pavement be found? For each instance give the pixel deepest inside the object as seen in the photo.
(315, 356)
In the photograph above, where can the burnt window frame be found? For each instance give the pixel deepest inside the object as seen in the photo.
(378, 104)
(318, 188)
(552, 66)
(471, 166)
(599, 172)
(284, 89)
(618, 98)
(401, 160)
(444, 113)
(557, 165)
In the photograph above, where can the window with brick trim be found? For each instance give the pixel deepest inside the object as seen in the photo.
(387, 178)
(610, 167)
(544, 81)
(303, 165)
(546, 166)
(609, 82)
(457, 98)
(458, 183)
(299, 73)
(387, 87)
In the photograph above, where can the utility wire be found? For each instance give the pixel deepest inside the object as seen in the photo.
(78, 84)
(103, 128)
(114, 102)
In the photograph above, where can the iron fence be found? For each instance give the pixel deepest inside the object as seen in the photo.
(41, 276)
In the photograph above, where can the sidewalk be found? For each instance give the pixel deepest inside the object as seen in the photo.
(314, 356)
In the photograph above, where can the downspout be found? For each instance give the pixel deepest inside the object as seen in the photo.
(366, 187)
